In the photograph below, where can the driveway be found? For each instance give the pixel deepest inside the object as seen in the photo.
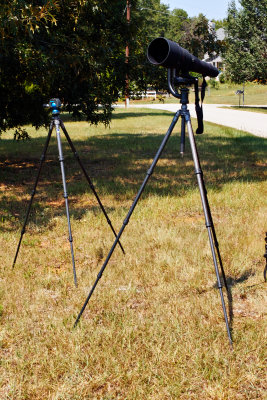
(252, 122)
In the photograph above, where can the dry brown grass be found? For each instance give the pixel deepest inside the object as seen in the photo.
(154, 328)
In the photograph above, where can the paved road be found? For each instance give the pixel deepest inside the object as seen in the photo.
(255, 123)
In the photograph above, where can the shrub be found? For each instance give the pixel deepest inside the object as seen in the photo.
(222, 78)
(213, 83)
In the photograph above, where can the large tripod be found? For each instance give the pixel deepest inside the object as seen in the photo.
(56, 122)
(185, 122)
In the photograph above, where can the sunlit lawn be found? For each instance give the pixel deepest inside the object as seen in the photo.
(255, 94)
(154, 327)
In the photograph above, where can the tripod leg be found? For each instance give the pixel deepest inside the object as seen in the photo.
(61, 160)
(207, 214)
(34, 190)
(182, 144)
(216, 243)
(125, 222)
(89, 180)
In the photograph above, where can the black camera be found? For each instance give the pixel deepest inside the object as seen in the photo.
(169, 54)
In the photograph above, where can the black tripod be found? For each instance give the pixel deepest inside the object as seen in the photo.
(56, 122)
(185, 122)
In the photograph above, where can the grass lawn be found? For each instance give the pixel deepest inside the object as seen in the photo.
(255, 94)
(154, 327)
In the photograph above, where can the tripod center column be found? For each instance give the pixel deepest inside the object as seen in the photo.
(61, 160)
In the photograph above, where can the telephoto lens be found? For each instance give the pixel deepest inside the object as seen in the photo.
(169, 54)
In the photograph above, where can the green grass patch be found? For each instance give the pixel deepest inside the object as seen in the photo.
(154, 328)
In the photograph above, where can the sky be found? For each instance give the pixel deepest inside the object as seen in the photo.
(212, 9)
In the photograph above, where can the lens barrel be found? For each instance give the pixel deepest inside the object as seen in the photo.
(169, 54)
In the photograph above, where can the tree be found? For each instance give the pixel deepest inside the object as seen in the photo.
(220, 23)
(152, 19)
(148, 21)
(246, 54)
(176, 25)
(197, 37)
(74, 50)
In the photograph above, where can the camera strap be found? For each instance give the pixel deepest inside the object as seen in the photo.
(199, 109)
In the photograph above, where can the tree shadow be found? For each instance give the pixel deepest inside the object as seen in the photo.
(141, 114)
(13, 213)
(117, 164)
(250, 108)
(123, 114)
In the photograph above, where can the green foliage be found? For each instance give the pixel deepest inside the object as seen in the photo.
(178, 20)
(220, 23)
(149, 19)
(213, 83)
(152, 19)
(247, 46)
(196, 36)
(222, 78)
(73, 50)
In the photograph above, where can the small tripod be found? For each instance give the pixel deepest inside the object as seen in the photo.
(56, 122)
(183, 82)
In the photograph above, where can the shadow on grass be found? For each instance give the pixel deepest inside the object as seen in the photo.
(141, 114)
(229, 295)
(250, 108)
(123, 114)
(117, 164)
(12, 212)
(232, 282)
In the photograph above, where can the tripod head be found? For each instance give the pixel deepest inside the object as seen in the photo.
(55, 105)
(182, 82)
